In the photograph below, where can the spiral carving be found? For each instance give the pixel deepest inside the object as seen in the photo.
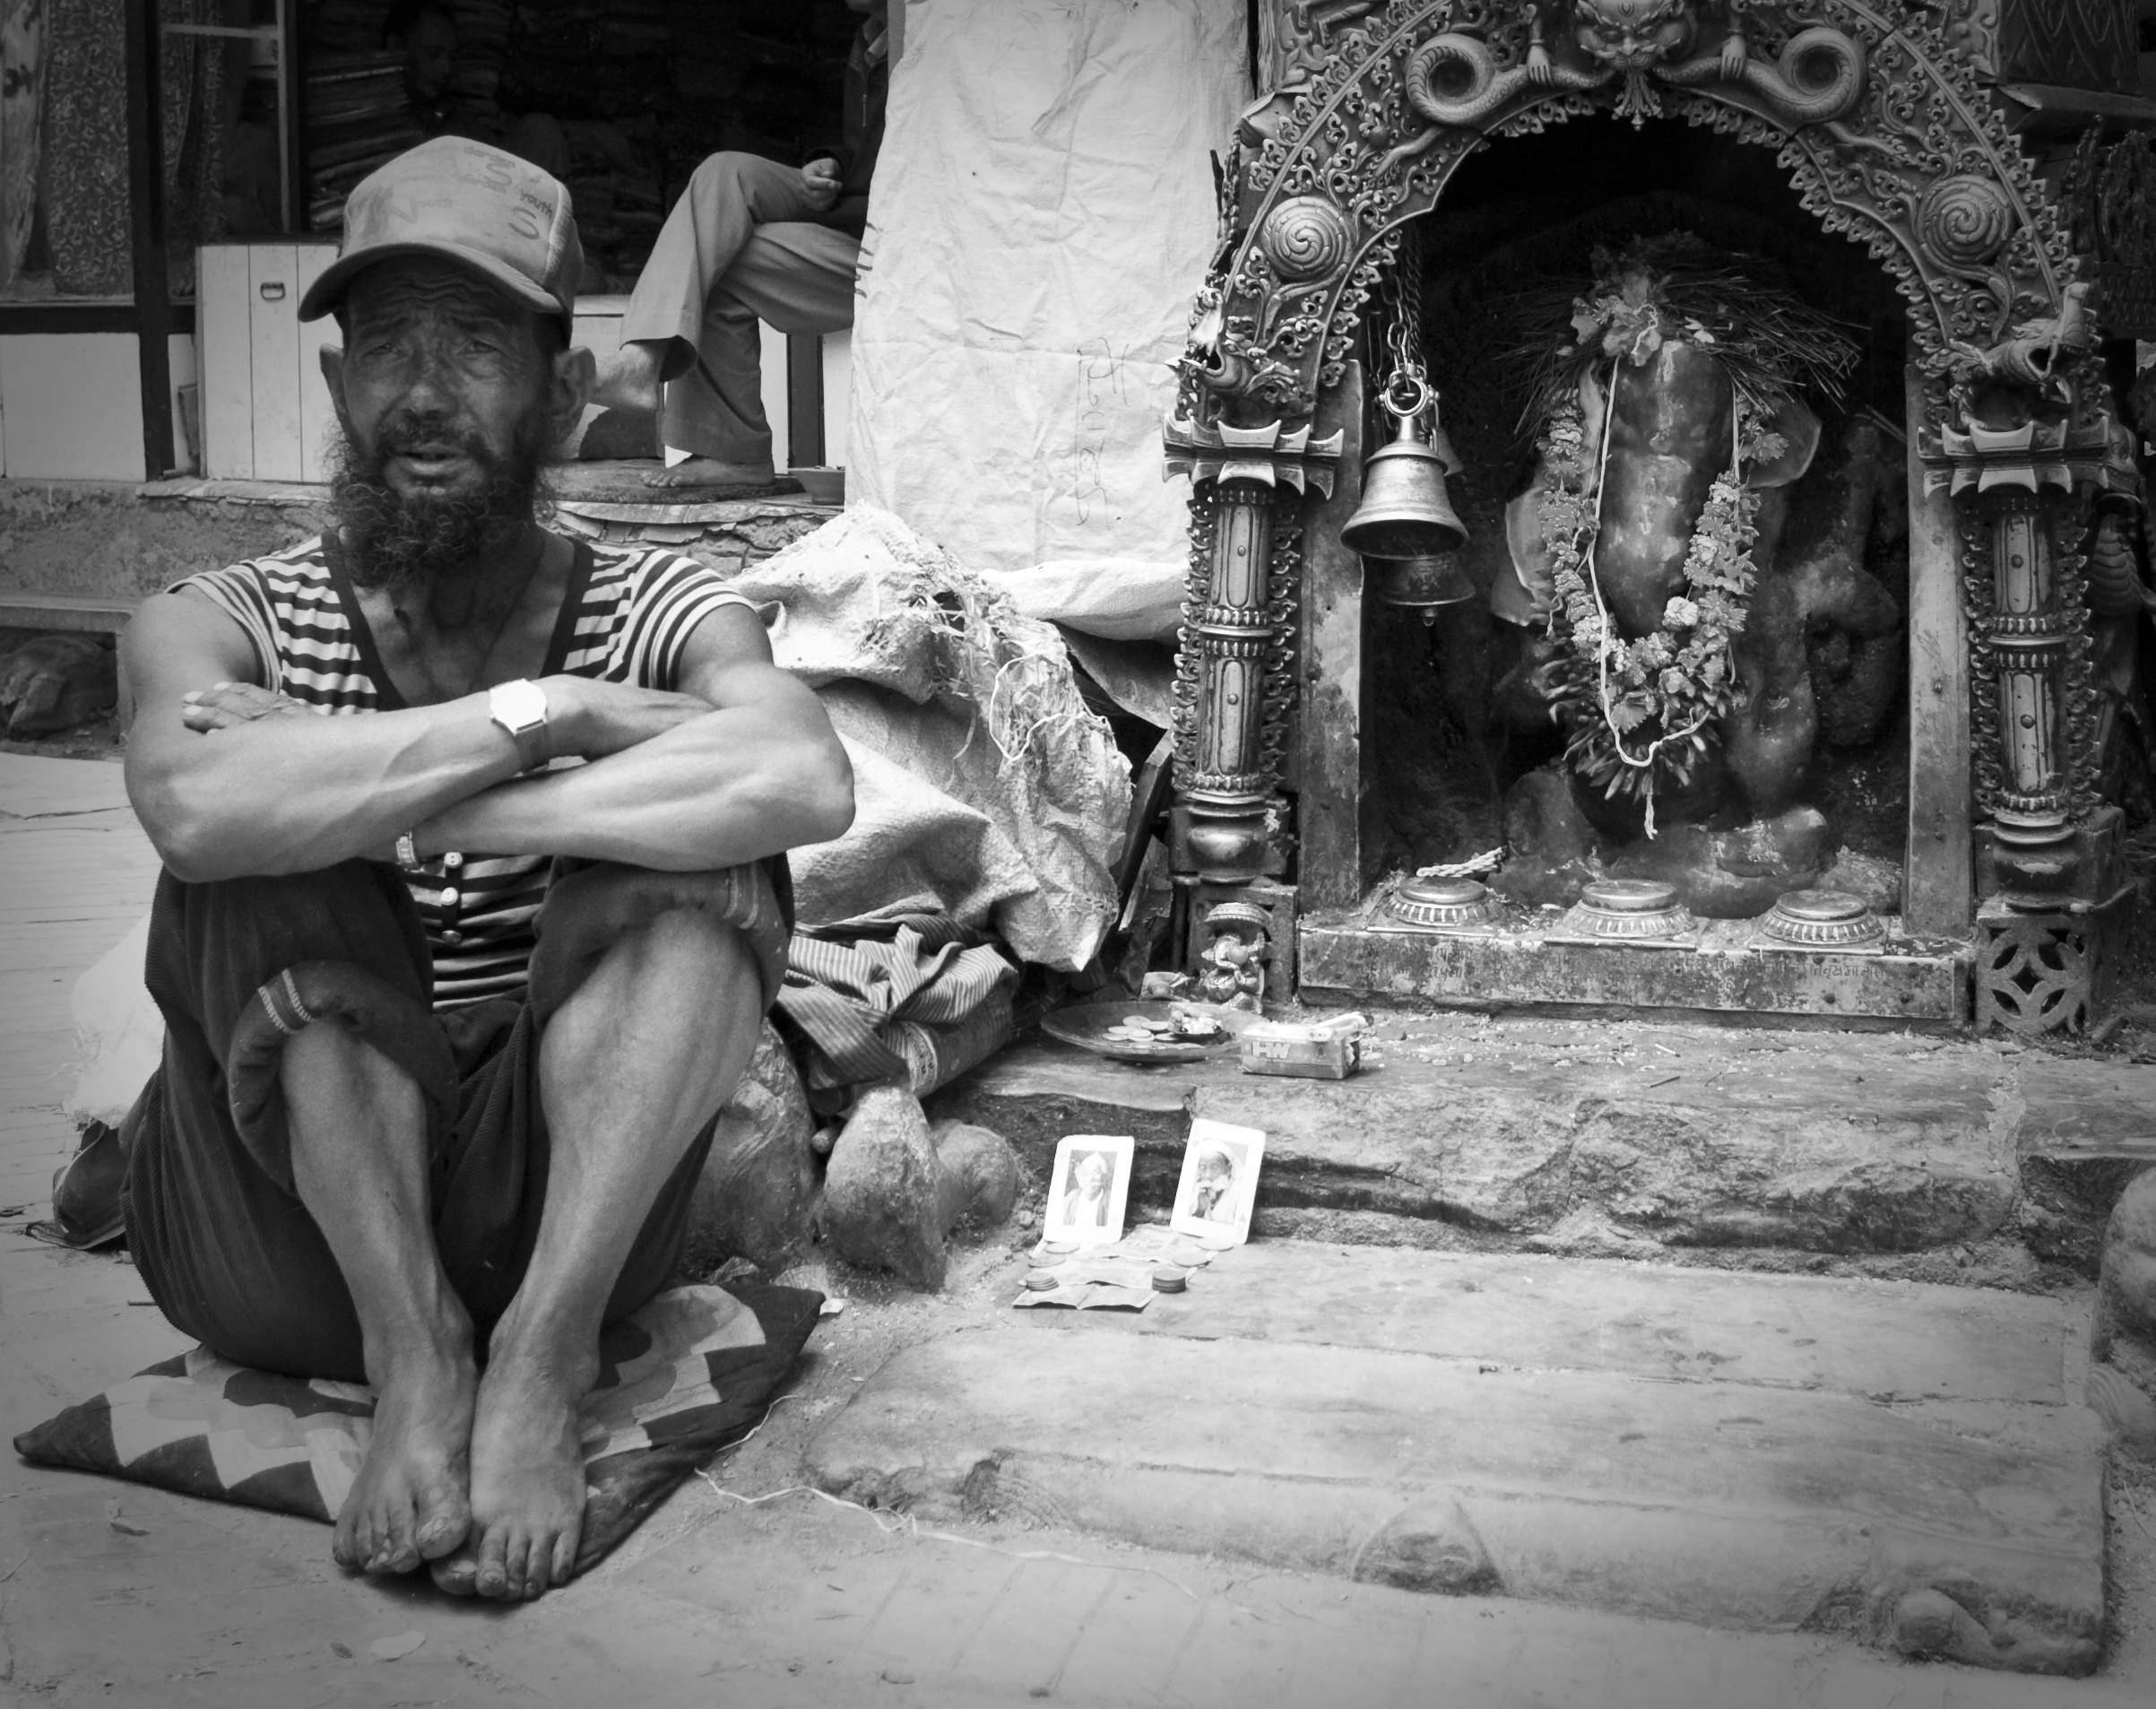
(1474, 87)
(1965, 220)
(1306, 236)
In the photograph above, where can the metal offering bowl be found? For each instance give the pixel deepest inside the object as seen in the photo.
(1086, 1024)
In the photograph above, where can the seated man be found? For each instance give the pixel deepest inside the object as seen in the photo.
(449, 1019)
(749, 240)
(424, 32)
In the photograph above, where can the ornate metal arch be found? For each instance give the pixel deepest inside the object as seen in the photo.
(1911, 158)
(1889, 140)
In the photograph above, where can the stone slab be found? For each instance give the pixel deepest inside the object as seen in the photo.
(1721, 1503)
(1882, 1341)
(1355, 962)
(2076, 1110)
(1569, 1134)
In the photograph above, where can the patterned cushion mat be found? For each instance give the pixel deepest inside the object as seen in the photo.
(678, 1379)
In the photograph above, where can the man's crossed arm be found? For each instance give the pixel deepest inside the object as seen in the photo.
(742, 765)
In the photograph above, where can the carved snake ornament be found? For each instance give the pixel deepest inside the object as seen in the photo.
(1820, 77)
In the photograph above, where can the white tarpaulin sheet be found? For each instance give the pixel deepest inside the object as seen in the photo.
(1042, 211)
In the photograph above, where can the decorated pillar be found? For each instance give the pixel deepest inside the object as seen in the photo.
(2048, 875)
(1233, 675)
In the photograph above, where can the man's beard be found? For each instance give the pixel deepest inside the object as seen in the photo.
(433, 543)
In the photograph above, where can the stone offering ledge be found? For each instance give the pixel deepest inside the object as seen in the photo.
(1869, 1153)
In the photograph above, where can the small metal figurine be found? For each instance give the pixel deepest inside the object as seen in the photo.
(1232, 971)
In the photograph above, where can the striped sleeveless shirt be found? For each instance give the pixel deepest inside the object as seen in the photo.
(626, 617)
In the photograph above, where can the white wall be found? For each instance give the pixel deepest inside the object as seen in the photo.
(1042, 214)
(71, 404)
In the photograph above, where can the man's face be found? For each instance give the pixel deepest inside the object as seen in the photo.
(450, 399)
(430, 55)
(444, 376)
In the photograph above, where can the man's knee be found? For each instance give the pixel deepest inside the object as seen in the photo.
(728, 166)
(682, 943)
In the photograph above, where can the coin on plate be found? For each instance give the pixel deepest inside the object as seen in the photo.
(1219, 1243)
(1059, 1248)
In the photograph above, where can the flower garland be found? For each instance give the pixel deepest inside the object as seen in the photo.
(1642, 711)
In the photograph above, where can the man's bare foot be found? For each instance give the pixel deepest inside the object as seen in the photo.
(709, 471)
(527, 1482)
(628, 379)
(409, 1504)
(2128, 1413)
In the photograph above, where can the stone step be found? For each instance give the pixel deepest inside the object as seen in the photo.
(1884, 1341)
(1611, 1436)
(1571, 1136)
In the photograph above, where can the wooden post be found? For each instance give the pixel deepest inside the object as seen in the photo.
(146, 207)
(1333, 794)
(1937, 880)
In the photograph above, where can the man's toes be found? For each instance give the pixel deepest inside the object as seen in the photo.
(347, 1548)
(394, 1552)
(565, 1557)
(445, 1526)
(458, 1574)
(492, 1578)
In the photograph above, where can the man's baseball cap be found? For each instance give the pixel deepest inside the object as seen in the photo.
(466, 202)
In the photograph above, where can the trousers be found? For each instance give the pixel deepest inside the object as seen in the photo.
(741, 244)
(238, 967)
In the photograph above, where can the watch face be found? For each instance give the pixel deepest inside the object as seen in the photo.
(520, 704)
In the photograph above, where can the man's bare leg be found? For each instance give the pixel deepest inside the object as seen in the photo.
(630, 379)
(358, 1137)
(631, 1067)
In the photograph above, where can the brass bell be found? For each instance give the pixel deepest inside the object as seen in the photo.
(1405, 512)
(1421, 582)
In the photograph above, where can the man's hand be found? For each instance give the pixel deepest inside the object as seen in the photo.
(820, 184)
(223, 705)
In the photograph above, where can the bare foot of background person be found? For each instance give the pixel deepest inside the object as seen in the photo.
(628, 379)
(410, 1503)
(527, 1482)
(709, 471)
(2130, 1414)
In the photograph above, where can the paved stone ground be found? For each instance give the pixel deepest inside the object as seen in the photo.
(790, 1602)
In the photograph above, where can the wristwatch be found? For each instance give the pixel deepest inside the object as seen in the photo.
(520, 708)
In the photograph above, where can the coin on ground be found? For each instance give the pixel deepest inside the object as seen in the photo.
(1041, 1281)
(1169, 1280)
(1059, 1248)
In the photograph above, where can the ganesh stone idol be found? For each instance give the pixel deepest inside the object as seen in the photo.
(1692, 543)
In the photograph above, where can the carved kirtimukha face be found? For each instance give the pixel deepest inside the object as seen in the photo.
(1633, 35)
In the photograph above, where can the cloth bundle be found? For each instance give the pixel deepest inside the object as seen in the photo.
(920, 1007)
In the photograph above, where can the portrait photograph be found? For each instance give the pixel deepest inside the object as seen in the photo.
(1086, 1189)
(1219, 1184)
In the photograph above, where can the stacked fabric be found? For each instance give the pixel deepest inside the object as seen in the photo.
(345, 26)
(356, 119)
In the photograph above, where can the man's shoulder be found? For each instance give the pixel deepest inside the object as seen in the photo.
(295, 566)
(641, 572)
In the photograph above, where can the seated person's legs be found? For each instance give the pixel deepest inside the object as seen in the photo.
(795, 276)
(345, 1217)
(728, 199)
(667, 996)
